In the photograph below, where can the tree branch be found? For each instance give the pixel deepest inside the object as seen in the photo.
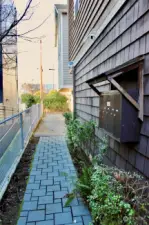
(15, 22)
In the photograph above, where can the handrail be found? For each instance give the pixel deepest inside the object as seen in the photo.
(14, 116)
(9, 118)
(14, 138)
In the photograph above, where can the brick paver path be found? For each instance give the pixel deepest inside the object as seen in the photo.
(44, 198)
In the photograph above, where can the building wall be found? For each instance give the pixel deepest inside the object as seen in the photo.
(65, 79)
(10, 88)
(8, 62)
(125, 38)
(10, 74)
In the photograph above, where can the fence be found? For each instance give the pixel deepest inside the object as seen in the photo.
(15, 133)
(6, 112)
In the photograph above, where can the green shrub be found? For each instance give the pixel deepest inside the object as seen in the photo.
(72, 134)
(115, 197)
(28, 100)
(37, 99)
(79, 134)
(37, 93)
(55, 101)
(68, 117)
(83, 184)
(106, 201)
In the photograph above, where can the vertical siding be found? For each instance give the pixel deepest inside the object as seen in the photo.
(125, 38)
(60, 68)
(67, 78)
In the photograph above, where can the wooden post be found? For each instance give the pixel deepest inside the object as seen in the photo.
(21, 129)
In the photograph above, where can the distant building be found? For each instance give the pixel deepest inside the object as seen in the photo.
(61, 42)
(33, 88)
(8, 61)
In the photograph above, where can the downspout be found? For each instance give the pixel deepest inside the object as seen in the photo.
(74, 93)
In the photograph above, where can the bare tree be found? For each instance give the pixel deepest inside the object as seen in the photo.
(9, 18)
(30, 88)
(9, 21)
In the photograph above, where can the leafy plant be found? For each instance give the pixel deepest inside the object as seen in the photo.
(106, 200)
(82, 185)
(114, 196)
(55, 101)
(37, 99)
(80, 134)
(68, 117)
(37, 93)
(136, 193)
(28, 99)
(37, 96)
(102, 150)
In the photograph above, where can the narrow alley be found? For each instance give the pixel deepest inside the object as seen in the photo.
(45, 196)
(74, 112)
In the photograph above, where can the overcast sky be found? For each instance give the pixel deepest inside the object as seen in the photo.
(29, 52)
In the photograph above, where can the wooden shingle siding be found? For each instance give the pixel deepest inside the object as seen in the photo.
(145, 126)
(146, 105)
(143, 145)
(97, 9)
(120, 47)
(125, 38)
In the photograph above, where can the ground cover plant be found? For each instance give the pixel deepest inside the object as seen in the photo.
(114, 196)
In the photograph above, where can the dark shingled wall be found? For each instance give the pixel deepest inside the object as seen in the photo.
(125, 38)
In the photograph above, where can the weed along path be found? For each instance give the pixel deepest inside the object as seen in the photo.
(47, 188)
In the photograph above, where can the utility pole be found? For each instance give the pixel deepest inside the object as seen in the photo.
(41, 71)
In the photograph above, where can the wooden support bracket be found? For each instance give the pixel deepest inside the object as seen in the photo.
(123, 92)
(110, 75)
(95, 89)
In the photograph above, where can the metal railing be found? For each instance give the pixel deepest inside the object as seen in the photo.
(15, 133)
(6, 111)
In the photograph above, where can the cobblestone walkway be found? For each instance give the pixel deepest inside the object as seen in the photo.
(44, 198)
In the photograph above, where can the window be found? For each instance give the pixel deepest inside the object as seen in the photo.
(76, 7)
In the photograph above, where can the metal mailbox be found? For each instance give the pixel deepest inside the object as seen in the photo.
(119, 117)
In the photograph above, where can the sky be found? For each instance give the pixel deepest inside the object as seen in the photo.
(29, 51)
